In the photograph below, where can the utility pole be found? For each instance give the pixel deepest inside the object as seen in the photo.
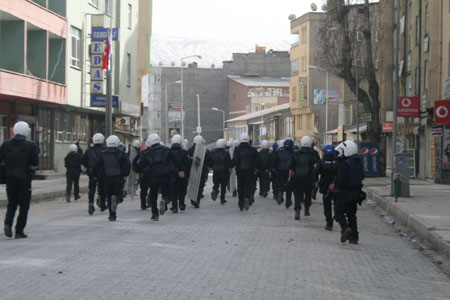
(108, 104)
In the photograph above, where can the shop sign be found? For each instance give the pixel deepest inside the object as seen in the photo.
(442, 112)
(370, 154)
(388, 127)
(408, 107)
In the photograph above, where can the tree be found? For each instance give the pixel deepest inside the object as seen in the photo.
(349, 40)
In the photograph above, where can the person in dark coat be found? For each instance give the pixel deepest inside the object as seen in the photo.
(266, 165)
(178, 184)
(72, 162)
(18, 156)
(221, 170)
(281, 162)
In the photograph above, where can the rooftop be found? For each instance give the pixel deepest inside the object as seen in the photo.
(261, 81)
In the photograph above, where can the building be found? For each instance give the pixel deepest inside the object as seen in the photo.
(308, 82)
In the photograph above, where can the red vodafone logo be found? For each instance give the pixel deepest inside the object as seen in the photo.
(406, 102)
(442, 112)
(408, 107)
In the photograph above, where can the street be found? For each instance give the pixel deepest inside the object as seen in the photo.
(215, 252)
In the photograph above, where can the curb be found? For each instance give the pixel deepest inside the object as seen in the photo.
(413, 223)
(46, 196)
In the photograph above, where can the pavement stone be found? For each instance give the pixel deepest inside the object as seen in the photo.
(215, 252)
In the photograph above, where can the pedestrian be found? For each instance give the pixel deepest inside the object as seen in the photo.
(207, 163)
(266, 166)
(348, 185)
(178, 185)
(281, 163)
(245, 160)
(327, 170)
(18, 156)
(89, 161)
(72, 162)
(221, 165)
(113, 168)
(301, 175)
(159, 162)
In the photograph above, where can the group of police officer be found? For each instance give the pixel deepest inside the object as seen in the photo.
(158, 169)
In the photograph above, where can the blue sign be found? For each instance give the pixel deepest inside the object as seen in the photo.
(99, 100)
(447, 88)
(101, 34)
(370, 157)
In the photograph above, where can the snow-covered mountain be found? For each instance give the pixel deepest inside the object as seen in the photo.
(171, 49)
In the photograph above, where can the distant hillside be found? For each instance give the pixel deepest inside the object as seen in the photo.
(171, 49)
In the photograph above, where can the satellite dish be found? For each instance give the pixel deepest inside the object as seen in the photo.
(160, 63)
(292, 17)
(324, 7)
(313, 7)
(172, 64)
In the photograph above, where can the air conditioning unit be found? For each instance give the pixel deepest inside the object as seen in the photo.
(124, 121)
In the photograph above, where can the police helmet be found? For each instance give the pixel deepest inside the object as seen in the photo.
(98, 138)
(265, 144)
(250, 142)
(112, 141)
(136, 143)
(281, 143)
(122, 147)
(22, 128)
(347, 148)
(221, 143)
(328, 150)
(306, 141)
(176, 139)
(230, 143)
(275, 146)
(153, 139)
(185, 144)
(296, 147)
(73, 148)
(244, 138)
(236, 142)
(288, 143)
(199, 140)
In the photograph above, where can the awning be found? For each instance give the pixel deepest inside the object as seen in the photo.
(126, 133)
(256, 123)
(362, 128)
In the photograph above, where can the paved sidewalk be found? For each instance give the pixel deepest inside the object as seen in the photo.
(45, 190)
(426, 212)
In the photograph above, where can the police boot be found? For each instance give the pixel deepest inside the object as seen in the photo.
(7, 230)
(196, 204)
(354, 238)
(68, 198)
(223, 201)
(329, 227)
(297, 213)
(214, 194)
(91, 209)
(307, 211)
(279, 198)
(288, 203)
(235, 194)
(162, 206)
(246, 203)
(346, 234)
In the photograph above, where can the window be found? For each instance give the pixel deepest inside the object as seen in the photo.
(128, 69)
(425, 75)
(304, 37)
(157, 78)
(69, 122)
(59, 126)
(294, 65)
(417, 82)
(409, 86)
(303, 63)
(299, 122)
(410, 37)
(426, 19)
(129, 15)
(3, 128)
(93, 2)
(108, 7)
(294, 93)
(309, 121)
(345, 114)
(417, 29)
(75, 56)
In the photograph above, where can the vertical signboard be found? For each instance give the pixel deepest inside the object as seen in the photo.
(370, 159)
(446, 148)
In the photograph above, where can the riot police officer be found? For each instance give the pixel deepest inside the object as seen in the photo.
(143, 177)
(18, 156)
(72, 162)
(207, 163)
(302, 169)
(178, 185)
(113, 168)
(281, 163)
(266, 166)
(327, 170)
(221, 165)
(89, 161)
(245, 160)
(273, 171)
(159, 163)
(348, 185)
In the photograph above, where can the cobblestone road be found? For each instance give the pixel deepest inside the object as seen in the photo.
(215, 252)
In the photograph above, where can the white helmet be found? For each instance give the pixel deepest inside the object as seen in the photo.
(198, 139)
(73, 148)
(185, 144)
(176, 139)
(221, 143)
(112, 141)
(98, 138)
(347, 148)
(236, 142)
(152, 140)
(281, 143)
(306, 141)
(22, 128)
(229, 143)
(265, 144)
(244, 138)
(136, 144)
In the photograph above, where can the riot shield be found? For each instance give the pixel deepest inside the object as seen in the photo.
(196, 171)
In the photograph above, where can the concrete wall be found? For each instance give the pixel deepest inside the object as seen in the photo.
(270, 64)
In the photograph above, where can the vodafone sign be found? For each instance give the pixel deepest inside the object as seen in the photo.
(442, 112)
(408, 107)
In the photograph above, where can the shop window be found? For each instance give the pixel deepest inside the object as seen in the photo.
(59, 126)
(3, 128)
(299, 122)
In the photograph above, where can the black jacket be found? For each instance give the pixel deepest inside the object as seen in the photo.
(159, 161)
(19, 157)
(282, 159)
(115, 160)
(91, 157)
(350, 174)
(182, 156)
(327, 170)
(72, 162)
(221, 160)
(303, 162)
(245, 159)
(265, 157)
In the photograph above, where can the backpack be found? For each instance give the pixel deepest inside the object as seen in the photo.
(112, 164)
(218, 160)
(303, 164)
(245, 158)
(285, 160)
(159, 161)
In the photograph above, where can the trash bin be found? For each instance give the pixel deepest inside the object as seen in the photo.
(402, 168)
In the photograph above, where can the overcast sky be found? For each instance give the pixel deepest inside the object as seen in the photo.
(229, 20)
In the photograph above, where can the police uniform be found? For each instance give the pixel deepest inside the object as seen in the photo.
(89, 161)
(177, 191)
(264, 173)
(282, 161)
(204, 177)
(221, 165)
(143, 177)
(18, 156)
(72, 162)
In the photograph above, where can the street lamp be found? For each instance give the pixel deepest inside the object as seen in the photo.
(199, 128)
(326, 99)
(223, 115)
(182, 96)
(167, 110)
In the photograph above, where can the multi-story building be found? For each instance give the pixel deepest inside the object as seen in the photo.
(308, 82)
(423, 70)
